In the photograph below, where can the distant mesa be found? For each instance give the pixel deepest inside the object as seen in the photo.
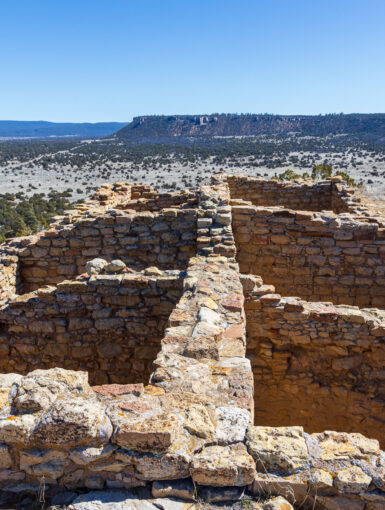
(184, 126)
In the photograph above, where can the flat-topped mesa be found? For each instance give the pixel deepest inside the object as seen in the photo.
(154, 350)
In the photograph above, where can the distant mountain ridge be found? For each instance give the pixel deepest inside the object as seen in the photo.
(183, 126)
(44, 129)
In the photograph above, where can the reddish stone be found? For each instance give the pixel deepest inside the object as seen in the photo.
(135, 407)
(233, 302)
(234, 331)
(114, 390)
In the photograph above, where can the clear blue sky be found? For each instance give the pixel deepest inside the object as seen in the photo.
(104, 60)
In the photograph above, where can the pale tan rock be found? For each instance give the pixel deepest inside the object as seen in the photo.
(7, 380)
(95, 266)
(320, 478)
(183, 489)
(352, 480)
(35, 456)
(197, 421)
(278, 448)
(17, 429)
(339, 503)
(232, 423)
(73, 422)
(4, 397)
(344, 446)
(278, 503)
(155, 434)
(293, 487)
(223, 466)
(73, 379)
(149, 466)
(152, 271)
(85, 455)
(33, 394)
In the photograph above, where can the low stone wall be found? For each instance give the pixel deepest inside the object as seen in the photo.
(166, 239)
(109, 325)
(317, 256)
(315, 364)
(301, 195)
(156, 201)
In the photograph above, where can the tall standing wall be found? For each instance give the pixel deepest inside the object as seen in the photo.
(317, 256)
(317, 365)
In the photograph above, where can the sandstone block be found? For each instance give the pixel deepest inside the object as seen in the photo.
(278, 448)
(153, 435)
(197, 421)
(73, 422)
(223, 466)
(232, 423)
(352, 480)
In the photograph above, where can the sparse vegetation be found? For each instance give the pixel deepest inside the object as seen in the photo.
(319, 172)
(20, 215)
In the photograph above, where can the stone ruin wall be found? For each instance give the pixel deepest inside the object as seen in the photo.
(317, 256)
(165, 239)
(230, 343)
(320, 362)
(108, 325)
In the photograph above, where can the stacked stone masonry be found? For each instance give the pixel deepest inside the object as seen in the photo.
(302, 195)
(109, 325)
(243, 379)
(143, 239)
(317, 256)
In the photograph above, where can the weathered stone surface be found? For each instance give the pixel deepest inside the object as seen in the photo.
(153, 435)
(48, 463)
(278, 448)
(278, 503)
(95, 266)
(352, 480)
(17, 429)
(33, 394)
(294, 488)
(85, 455)
(115, 266)
(223, 466)
(169, 466)
(7, 380)
(313, 362)
(73, 422)
(114, 390)
(343, 446)
(183, 489)
(73, 379)
(197, 421)
(232, 423)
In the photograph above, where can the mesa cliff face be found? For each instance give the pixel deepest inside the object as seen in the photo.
(179, 126)
(170, 361)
